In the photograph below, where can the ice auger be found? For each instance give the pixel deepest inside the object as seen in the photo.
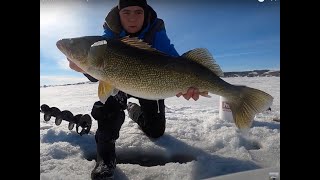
(80, 120)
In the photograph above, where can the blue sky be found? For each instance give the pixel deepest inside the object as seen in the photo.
(241, 35)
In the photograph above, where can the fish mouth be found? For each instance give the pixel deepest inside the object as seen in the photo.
(61, 44)
(64, 45)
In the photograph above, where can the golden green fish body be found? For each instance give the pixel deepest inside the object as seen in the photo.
(149, 74)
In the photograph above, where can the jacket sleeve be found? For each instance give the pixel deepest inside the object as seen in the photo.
(108, 34)
(92, 79)
(162, 43)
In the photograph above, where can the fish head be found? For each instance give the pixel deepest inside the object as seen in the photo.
(77, 49)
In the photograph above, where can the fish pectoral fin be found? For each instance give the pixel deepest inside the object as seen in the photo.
(114, 91)
(105, 90)
(204, 57)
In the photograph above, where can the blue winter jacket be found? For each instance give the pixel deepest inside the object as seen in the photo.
(154, 32)
(160, 40)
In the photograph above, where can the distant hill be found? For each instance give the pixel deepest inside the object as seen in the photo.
(253, 73)
(87, 82)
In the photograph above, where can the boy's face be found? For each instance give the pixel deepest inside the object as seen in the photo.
(132, 18)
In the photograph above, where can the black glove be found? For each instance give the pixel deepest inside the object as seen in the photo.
(122, 97)
(115, 103)
(98, 111)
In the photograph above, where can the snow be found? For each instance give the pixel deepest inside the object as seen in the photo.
(196, 144)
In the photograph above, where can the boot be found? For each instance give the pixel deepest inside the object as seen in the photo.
(103, 171)
(105, 167)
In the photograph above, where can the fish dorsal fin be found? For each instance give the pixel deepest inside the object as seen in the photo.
(105, 90)
(203, 57)
(138, 43)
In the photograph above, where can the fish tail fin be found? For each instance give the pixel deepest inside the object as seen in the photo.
(247, 104)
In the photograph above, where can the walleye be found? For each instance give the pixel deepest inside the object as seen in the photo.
(134, 67)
